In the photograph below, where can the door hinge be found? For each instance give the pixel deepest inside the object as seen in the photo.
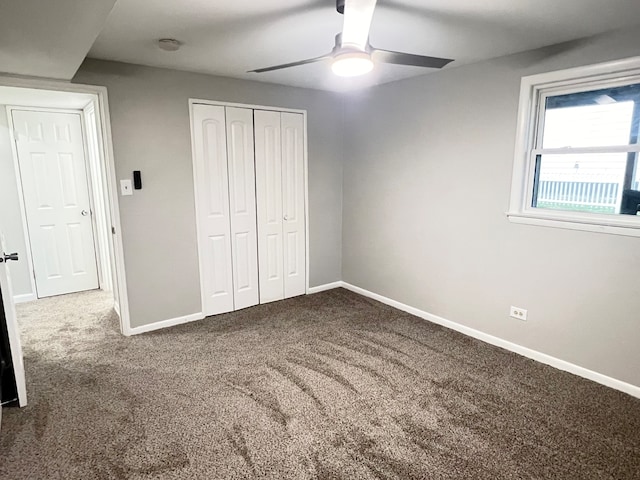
(113, 230)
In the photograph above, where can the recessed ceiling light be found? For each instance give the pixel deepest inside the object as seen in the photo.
(169, 44)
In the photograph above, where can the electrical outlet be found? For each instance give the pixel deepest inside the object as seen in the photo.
(518, 313)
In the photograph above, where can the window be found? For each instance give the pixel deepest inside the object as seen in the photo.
(577, 159)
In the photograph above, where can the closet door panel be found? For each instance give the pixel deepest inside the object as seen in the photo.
(269, 205)
(212, 208)
(293, 204)
(242, 204)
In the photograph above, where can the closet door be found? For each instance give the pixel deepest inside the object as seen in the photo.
(293, 206)
(212, 208)
(269, 204)
(242, 204)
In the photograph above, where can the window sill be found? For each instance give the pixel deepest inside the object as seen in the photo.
(629, 228)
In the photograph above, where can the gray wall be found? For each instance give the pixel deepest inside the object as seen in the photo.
(427, 178)
(150, 125)
(10, 215)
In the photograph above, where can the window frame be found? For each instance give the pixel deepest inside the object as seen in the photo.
(534, 90)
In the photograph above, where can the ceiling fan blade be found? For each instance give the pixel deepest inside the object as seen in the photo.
(399, 58)
(357, 22)
(288, 65)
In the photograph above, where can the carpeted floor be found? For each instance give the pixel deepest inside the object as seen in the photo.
(328, 386)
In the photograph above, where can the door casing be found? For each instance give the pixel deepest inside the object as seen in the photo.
(107, 158)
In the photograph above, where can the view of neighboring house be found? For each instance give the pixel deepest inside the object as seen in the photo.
(591, 182)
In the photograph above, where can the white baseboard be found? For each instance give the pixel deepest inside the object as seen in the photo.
(499, 342)
(485, 337)
(25, 297)
(171, 322)
(326, 286)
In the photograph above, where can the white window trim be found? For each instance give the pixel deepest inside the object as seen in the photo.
(532, 89)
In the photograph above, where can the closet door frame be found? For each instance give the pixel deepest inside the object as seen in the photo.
(196, 101)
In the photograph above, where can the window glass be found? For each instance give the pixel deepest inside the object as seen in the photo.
(603, 182)
(588, 125)
(580, 182)
(596, 118)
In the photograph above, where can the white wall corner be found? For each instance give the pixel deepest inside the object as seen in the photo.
(326, 286)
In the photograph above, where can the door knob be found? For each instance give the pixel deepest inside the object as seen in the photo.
(84, 213)
(286, 218)
(5, 257)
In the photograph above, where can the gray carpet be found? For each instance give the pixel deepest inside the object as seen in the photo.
(328, 386)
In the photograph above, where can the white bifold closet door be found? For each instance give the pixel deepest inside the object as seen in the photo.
(242, 205)
(226, 207)
(279, 147)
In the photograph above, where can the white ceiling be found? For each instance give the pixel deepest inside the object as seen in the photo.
(232, 36)
(48, 38)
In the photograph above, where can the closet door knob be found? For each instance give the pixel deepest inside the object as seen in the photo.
(286, 218)
(84, 213)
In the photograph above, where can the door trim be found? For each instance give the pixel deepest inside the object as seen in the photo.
(194, 101)
(107, 158)
(99, 205)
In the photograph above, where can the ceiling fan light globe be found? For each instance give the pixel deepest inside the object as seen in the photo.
(352, 64)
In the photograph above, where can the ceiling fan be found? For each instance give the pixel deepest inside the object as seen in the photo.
(352, 54)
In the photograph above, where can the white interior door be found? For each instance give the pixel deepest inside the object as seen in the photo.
(12, 326)
(269, 204)
(56, 197)
(212, 208)
(293, 206)
(242, 206)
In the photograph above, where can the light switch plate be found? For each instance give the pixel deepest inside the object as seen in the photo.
(125, 187)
